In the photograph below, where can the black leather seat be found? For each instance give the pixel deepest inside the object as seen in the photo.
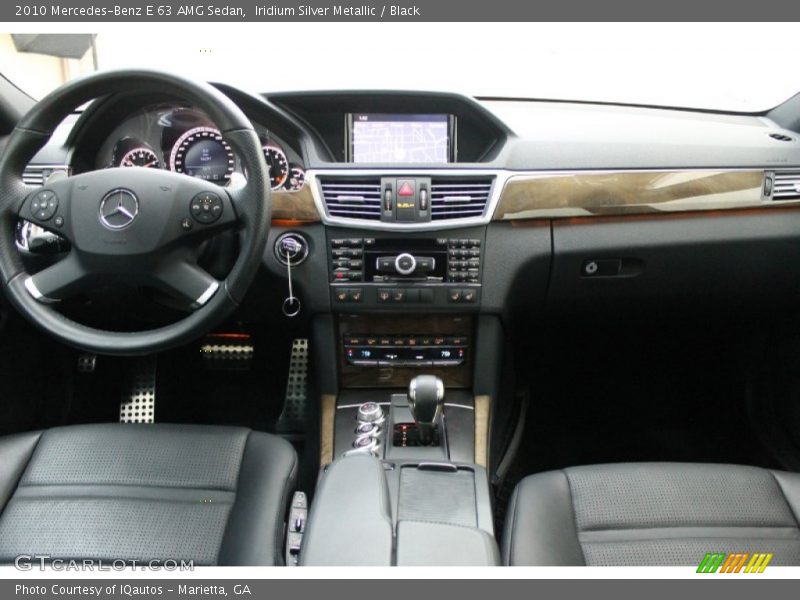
(652, 514)
(214, 495)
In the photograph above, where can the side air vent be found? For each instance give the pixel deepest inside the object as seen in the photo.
(37, 174)
(781, 137)
(786, 186)
(352, 197)
(459, 197)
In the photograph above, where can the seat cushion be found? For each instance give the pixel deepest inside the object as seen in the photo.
(213, 495)
(652, 514)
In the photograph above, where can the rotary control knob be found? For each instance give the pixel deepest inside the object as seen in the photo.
(405, 264)
(370, 412)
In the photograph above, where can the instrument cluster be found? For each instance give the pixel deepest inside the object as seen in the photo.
(184, 140)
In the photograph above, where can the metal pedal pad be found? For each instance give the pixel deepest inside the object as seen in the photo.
(294, 403)
(87, 363)
(139, 404)
(227, 351)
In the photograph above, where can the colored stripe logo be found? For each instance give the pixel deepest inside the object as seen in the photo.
(736, 562)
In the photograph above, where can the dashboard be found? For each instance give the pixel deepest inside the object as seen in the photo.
(184, 140)
(422, 202)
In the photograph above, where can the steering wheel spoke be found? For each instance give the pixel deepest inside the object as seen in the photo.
(186, 281)
(48, 207)
(58, 281)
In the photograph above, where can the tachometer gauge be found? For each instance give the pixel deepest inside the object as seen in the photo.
(140, 157)
(278, 166)
(201, 152)
(297, 179)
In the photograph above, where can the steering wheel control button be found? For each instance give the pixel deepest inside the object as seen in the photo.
(206, 207)
(44, 205)
(118, 209)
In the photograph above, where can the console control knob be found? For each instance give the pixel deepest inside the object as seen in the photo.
(370, 412)
(405, 264)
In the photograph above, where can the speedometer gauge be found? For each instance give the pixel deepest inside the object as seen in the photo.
(201, 152)
(278, 166)
(140, 157)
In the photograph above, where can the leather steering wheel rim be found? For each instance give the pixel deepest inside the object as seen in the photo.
(251, 204)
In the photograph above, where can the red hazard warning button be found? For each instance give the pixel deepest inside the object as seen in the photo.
(405, 188)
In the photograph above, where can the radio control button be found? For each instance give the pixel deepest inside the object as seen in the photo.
(405, 264)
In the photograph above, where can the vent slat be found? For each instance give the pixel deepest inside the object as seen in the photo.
(460, 198)
(357, 198)
(35, 175)
(451, 197)
(786, 186)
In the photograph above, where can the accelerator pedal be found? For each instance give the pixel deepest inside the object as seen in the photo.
(295, 402)
(227, 351)
(139, 403)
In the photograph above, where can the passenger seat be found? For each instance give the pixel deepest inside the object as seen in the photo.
(652, 514)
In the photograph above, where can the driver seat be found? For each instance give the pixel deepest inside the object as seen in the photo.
(212, 495)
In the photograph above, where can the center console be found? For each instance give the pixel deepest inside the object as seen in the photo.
(405, 431)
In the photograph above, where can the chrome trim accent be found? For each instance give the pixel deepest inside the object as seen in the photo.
(342, 406)
(35, 293)
(405, 271)
(130, 216)
(456, 405)
(500, 177)
(206, 296)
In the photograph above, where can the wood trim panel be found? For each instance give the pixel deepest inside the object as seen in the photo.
(482, 410)
(294, 208)
(564, 195)
(326, 426)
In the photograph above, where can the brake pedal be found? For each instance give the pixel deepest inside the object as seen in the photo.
(139, 403)
(295, 401)
(227, 351)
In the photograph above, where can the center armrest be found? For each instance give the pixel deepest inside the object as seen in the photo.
(350, 522)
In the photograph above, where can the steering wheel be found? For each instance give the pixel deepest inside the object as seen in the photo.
(141, 226)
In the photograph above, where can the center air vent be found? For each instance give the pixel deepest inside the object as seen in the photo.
(352, 197)
(459, 197)
(38, 174)
(786, 186)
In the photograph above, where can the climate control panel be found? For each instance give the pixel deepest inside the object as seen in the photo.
(405, 350)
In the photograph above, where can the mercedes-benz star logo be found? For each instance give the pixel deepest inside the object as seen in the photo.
(118, 209)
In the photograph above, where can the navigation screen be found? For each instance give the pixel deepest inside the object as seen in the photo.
(385, 138)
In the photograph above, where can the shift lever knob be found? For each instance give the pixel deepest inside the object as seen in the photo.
(425, 400)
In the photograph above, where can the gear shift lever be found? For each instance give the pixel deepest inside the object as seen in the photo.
(425, 400)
